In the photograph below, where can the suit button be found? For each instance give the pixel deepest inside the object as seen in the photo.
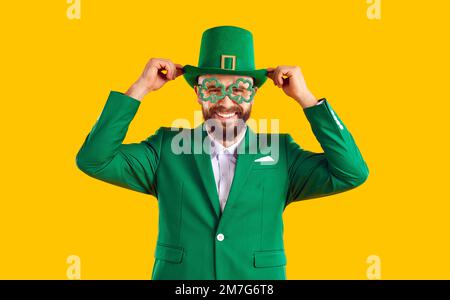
(220, 237)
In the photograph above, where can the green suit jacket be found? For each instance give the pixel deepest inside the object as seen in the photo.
(195, 239)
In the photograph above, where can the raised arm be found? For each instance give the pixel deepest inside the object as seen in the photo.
(103, 154)
(340, 167)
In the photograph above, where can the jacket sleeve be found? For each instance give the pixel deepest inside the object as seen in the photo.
(103, 155)
(339, 168)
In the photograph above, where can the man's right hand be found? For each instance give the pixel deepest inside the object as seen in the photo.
(153, 78)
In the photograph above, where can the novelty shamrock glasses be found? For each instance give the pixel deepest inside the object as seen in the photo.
(213, 90)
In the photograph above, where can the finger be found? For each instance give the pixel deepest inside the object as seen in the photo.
(176, 70)
(165, 64)
(163, 69)
(179, 70)
(172, 70)
(288, 73)
(270, 72)
(276, 77)
(280, 77)
(273, 73)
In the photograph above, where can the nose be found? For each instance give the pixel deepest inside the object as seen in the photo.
(227, 102)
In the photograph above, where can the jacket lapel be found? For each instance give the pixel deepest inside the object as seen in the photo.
(248, 151)
(202, 159)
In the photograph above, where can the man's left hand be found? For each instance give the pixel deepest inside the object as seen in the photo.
(293, 85)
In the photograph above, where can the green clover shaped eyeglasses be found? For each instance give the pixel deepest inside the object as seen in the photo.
(213, 90)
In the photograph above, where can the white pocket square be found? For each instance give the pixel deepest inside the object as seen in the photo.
(264, 159)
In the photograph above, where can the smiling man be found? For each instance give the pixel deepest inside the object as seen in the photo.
(225, 119)
(220, 209)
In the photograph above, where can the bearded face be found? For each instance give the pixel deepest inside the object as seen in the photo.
(225, 118)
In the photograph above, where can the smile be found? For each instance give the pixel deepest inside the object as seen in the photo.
(226, 116)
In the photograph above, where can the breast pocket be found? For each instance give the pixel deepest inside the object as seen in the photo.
(265, 165)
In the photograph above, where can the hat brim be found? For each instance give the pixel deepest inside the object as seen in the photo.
(191, 73)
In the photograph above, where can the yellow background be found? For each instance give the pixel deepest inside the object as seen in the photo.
(386, 79)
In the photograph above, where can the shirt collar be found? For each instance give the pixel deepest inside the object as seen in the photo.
(218, 148)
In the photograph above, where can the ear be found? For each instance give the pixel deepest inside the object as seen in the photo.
(196, 93)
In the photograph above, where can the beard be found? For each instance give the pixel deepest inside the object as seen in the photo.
(225, 130)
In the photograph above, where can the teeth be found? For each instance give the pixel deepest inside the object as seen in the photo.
(226, 115)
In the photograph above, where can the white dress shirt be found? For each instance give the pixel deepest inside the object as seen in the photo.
(223, 162)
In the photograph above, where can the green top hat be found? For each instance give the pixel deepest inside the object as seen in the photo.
(226, 50)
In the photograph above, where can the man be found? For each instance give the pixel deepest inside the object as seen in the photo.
(220, 208)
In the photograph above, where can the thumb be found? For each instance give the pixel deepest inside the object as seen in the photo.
(270, 72)
(179, 70)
